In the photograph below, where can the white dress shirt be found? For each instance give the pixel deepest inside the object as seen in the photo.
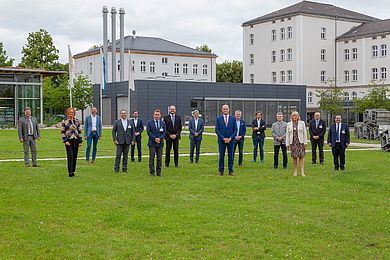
(93, 123)
(124, 123)
(196, 124)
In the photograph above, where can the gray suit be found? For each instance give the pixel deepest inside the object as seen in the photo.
(29, 138)
(124, 137)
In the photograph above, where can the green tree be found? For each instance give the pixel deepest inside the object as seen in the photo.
(82, 93)
(95, 46)
(4, 61)
(331, 99)
(377, 97)
(229, 71)
(39, 52)
(204, 48)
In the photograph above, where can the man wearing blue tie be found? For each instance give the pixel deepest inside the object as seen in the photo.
(338, 139)
(240, 136)
(226, 130)
(196, 128)
(156, 132)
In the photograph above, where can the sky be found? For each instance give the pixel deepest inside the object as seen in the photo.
(217, 23)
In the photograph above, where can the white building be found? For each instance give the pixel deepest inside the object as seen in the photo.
(307, 44)
(150, 58)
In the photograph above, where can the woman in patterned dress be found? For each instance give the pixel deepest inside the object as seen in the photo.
(296, 141)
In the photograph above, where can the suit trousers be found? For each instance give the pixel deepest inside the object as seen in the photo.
(92, 138)
(222, 149)
(240, 144)
(258, 141)
(338, 156)
(121, 149)
(139, 149)
(195, 145)
(71, 154)
(320, 144)
(175, 144)
(276, 155)
(155, 152)
(30, 143)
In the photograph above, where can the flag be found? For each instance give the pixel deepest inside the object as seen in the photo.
(131, 80)
(71, 69)
(104, 72)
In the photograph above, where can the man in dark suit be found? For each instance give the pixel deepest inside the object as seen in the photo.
(258, 136)
(196, 127)
(338, 139)
(156, 132)
(139, 128)
(174, 127)
(92, 133)
(240, 136)
(28, 131)
(123, 134)
(317, 131)
(226, 130)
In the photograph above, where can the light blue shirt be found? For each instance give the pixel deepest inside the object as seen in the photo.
(238, 122)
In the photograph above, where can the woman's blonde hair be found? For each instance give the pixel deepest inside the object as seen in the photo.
(295, 113)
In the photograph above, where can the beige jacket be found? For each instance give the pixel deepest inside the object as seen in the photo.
(302, 135)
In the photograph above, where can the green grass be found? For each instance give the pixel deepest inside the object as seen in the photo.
(191, 212)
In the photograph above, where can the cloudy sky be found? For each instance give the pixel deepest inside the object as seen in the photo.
(192, 23)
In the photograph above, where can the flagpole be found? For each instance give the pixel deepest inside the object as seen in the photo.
(102, 86)
(70, 67)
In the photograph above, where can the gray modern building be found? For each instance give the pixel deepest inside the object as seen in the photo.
(207, 97)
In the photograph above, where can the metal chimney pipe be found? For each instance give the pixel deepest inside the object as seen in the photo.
(122, 43)
(105, 34)
(113, 44)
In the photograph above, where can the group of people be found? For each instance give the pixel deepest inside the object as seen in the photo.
(230, 131)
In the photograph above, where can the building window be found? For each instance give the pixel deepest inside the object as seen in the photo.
(282, 33)
(164, 74)
(282, 54)
(354, 75)
(323, 33)
(273, 37)
(164, 60)
(374, 49)
(143, 66)
(195, 69)
(251, 39)
(185, 68)
(152, 67)
(289, 76)
(282, 76)
(346, 96)
(251, 59)
(274, 77)
(310, 97)
(289, 32)
(322, 76)
(354, 54)
(119, 65)
(176, 68)
(323, 55)
(346, 75)
(252, 78)
(346, 54)
(374, 74)
(354, 95)
(383, 50)
(383, 73)
(90, 68)
(205, 72)
(289, 54)
(273, 56)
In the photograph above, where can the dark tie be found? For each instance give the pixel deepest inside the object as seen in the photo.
(173, 120)
(29, 127)
(226, 121)
(338, 133)
(316, 124)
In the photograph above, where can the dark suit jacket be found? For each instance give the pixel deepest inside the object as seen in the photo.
(261, 130)
(344, 135)
(123, 136)
(154, 133)
(23, 128)
(138, 128)
(242, 130)
(320, 131)
(225, 132)
(88, 126)
(172, 129)
(199, 130)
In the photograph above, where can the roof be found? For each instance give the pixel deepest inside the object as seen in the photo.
(151, 44)
(367, 29)
(45, 73)
(313, 8)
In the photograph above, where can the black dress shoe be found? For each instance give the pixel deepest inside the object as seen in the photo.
(275, 167)
(336, 168)
(284, 167)
(152, 174)
(35, 165)
(167, 165)
(159, 175)
(176, 166)
(313, 162)
(124, 170)
(322, 163)
(139, 160)
(342, 168)
(220, 173)
(132, 160)
(116, 170)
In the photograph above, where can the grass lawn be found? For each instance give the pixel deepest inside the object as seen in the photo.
(191, 212)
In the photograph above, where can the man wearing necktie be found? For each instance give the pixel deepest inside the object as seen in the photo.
(29, 132)
(139, 128)
(156, 131)
(317, 130)
(226, 130)
(196, 127)
(172, 137)
(240, 136)
(338, 139)
(258, 136)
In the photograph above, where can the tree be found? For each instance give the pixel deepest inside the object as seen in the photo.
(4, 61)
(39, 52)
(377, 97)
(95, 46)
(229, 71)
(204, 48)
(82, 93)
(331, 99)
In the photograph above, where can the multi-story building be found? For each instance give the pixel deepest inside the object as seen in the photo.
(312, 44)
(149, 58)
